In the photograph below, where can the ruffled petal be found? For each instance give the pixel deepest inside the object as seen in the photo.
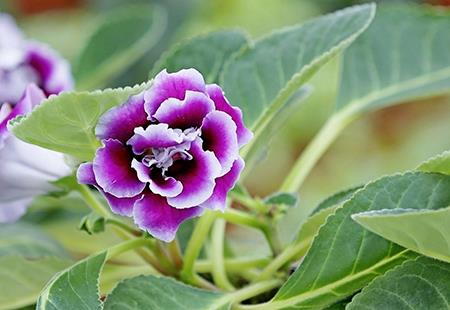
(197, 176)
(185, 113)
(154, 136)
(113, 171)
(119, 122)
(172, 85)
(219, 136)
(153, 214)
(121, 206)
(224, 184)
(54, 71)
(216, 94)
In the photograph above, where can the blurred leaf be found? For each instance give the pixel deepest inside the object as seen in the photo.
(440, 163)
(206, 53)
(27, 240)
(402, 56)
(337, 199)
(417, 284)
(66, 123)
(351, 256)
(152, 293)
(424, 231)
(261, 78)
(124, 36)
(287, 199)
(76, 285)
(92, 223)
(23, 279)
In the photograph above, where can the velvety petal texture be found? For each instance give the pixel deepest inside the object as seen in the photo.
(29, 72)
(168, 153)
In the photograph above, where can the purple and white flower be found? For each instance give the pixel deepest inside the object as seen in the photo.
(29, 72)
(168, 153)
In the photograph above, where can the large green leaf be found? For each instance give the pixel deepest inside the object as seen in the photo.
(416, 285)
(122, 38)
(344, 256)
(22, 279)
(66, 123)
(261, 78)
(206, 53)
(403, 55)
(423, 231)
(28, 241)
(76, 285)
(153, 293)
(336, 199)
(440, 163)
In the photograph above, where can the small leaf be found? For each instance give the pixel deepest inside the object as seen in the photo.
(286, 199)
(418, 284)
(440, 163)
(344, 257)
(22, 279)
(153, 293)
(206, 53)
(76, 285)
(380, 69)
(27, 240)
(261, 78)
(92, 223)
(66, 123)
(424, 231)
(122, 38)
(65, 185)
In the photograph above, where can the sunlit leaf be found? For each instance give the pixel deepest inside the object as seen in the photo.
(440, 163)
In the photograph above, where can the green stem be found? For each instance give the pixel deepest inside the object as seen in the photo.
(92, 201)
(175, 253)
(316, 148)
(290, 253)
(123, 226)
(249, 202)
(232, 265)
(218, 272)
(195, 245)
(126, 246)
(252, 291)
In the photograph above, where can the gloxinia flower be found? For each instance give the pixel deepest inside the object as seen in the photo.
(29, 72)
(168, 153)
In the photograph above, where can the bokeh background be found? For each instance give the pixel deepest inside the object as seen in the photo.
(387, 141)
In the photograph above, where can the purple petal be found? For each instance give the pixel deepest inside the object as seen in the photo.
(158, 184)
(10, 34)
(185, 113)
(113, 172)
(31, 98)
(157, 136)
(54, 71)
(216, 94)
(119, 122)
(153, 214)
(197, 176)
(224, 184)
(219, 136)
(121, 206)
(172, 85)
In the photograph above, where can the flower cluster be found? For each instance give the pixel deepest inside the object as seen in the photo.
(29, 72)
(168, 153)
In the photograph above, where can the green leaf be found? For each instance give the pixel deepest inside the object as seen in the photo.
(152, 293)
(261, 78)
(344, 257)
(22, 279)
(121, 39)
(336, 199)
(424, 231)
(416, 285)
(66, 123)
(92, 223)
(282, 198)
(313, 223)
(76, 285)
(28, 241)
(206, 53)
(440, 163)
(403, 55)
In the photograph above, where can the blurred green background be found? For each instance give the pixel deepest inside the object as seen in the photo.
(391, 140)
